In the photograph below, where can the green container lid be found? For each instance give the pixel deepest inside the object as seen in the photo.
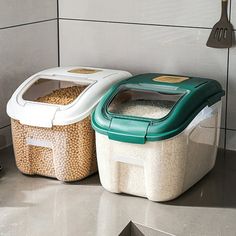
(152, 107)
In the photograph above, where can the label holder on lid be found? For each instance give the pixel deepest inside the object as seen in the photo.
(170, 79)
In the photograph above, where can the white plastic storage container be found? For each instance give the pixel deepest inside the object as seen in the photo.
(157, 135)
(51, 127)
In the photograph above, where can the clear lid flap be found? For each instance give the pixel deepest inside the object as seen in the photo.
(143, 103)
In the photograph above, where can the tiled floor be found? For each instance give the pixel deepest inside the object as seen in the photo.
(33, 206)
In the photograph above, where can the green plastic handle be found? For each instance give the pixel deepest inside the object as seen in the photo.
(128, 130)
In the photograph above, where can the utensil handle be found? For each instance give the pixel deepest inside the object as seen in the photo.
(224, 13)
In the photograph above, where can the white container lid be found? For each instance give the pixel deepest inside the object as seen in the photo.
(46, 115)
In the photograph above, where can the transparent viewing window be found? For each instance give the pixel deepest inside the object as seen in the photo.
(54, 91)
(143, 103)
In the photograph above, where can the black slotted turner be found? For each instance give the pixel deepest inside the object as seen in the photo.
(222, 32)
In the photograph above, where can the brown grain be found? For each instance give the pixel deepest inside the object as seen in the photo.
(71, 152)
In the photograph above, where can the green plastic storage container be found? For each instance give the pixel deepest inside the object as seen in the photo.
(157, 134)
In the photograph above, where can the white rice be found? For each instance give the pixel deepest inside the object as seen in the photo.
(160, 170)
(140, 108)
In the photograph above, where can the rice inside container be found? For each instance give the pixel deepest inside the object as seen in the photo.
(157, 135)
(50, 116)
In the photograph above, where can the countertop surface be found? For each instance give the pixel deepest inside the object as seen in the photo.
(36, 206)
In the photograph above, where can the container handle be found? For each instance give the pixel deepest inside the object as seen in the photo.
(35, 114)
(127, 130)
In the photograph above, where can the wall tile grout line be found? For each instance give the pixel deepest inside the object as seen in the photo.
(28, 23)
(231, 129)
(58, 36)
(226, 99)
(3, 127)
(133, 23)
(227, 87)
(220, 128)
(228, 129)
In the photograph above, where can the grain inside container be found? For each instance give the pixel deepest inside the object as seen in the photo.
(50, 115)
(161, 134)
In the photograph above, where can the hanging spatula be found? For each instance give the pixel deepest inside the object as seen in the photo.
(221, 34)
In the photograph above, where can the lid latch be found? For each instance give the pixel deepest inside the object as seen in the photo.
(128, 130)
(40, 115)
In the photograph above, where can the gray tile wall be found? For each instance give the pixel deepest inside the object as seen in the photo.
(15, 12)
(150, 36)
(136, 35)
(28, 43)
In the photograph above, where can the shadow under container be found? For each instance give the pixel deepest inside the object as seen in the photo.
(160, 134)
(51, 127)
